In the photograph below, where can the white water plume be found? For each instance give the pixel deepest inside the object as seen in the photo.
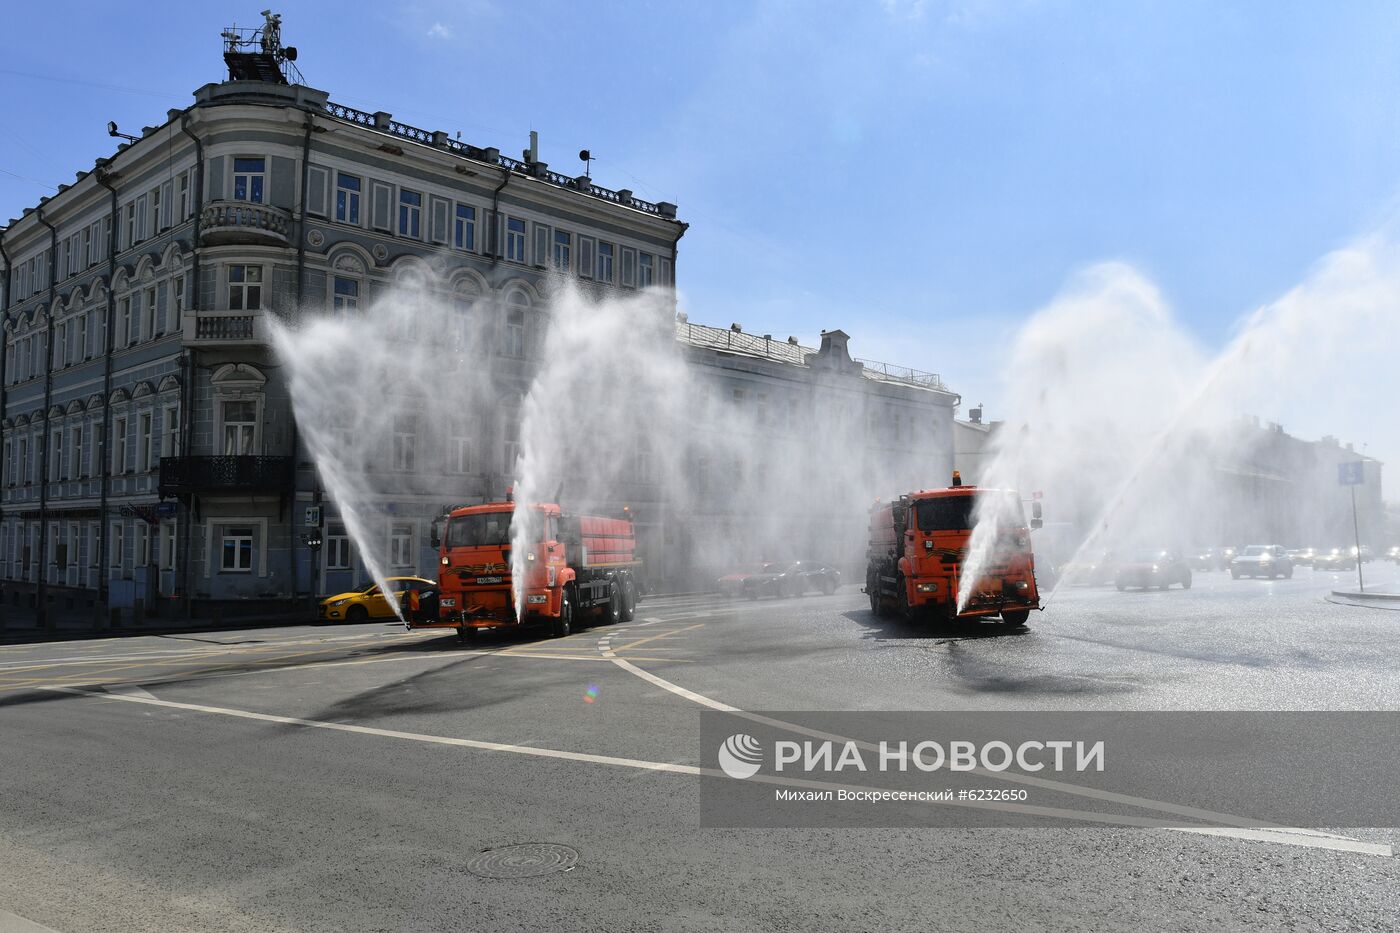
(606, 410)
(1137, 437)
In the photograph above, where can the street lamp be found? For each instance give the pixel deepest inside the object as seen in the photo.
(118, 134)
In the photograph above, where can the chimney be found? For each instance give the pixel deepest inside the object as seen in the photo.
(974, 415)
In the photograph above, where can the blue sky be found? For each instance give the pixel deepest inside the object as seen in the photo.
(922, 174)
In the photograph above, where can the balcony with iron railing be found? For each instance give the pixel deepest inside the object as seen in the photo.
(225, 475)
(223, 222)
(385, 123)
(223, 328)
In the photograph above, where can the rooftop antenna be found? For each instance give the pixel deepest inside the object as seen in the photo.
(258, 54)
(587, 158)
(532, 155)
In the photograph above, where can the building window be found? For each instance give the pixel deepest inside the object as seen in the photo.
(248, 178)
(513, 342)
(605, 262)
(56, 456)
(124, 320)
(410, 214)
(563, 249)
(80, 338)
(177, 295)
(629, 267)
(116, 554)
(133, 320)
(183, 187)
(644, 270)
(155, 210)
(512, 447)
(131, 225)
(405, 444)
(143, 545)
(170, 434)
(401, 545)
(464, 228)
(337, 547)
(77, 469)
(515, 239)
(245, 288)
(145, 443)
(240, 428)
(119, 451)
(347, 198)
(460, 454)
(236, 553)
(346, 294)
(167, 545)
(154, 321)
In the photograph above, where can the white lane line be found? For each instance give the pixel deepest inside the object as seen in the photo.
(1284, 835)
(677, 768)
(533, 750)
(13, 923)
(131, 690)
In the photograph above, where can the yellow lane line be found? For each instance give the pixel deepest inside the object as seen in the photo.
(643, 641)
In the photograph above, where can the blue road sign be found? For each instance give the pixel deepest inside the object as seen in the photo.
(1350, 474)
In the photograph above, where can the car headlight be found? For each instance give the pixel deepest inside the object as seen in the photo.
(339, 602)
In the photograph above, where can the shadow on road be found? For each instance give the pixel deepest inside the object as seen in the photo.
(883, 627)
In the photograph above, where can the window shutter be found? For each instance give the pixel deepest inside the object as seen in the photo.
(382, 197)
(666, 272)
(629, 267)
(316, 191)
(140, 218)
(438, 229)
(167, 205)
(541, 245)
(585, 257)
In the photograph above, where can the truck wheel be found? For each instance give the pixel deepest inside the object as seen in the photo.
(906, 611)
(1186, 582)
(467, 634)
(613, 614)
(1015, 617)
(564, 623)
(629, 600)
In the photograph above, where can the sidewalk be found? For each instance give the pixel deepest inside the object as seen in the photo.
(21, 625)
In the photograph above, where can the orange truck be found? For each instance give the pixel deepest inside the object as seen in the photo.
(918, 548)
(577, 564)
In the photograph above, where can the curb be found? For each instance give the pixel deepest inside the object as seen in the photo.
(1386, 597)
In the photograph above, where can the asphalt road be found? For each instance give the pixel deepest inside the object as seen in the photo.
(346, 778)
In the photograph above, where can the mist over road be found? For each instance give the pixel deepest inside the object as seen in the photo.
(346, 778)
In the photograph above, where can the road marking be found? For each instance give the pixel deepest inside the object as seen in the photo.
(13, 923)
(131, 690)
(1319, 841)
(1284, 835)
(642, 641)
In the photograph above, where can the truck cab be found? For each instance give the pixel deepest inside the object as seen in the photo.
(918, 550)
(572, 564)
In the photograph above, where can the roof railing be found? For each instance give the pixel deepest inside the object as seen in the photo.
(385, 124)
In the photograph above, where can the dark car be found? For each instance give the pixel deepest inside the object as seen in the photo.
(1303, 557)
(732, 584)
(775, 578)
(817, 577)
(1262, 560)
(1334, 559)
(1210, 558)
(1160, 568)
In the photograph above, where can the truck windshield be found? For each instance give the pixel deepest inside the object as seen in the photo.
(956, 513)
(485, 529)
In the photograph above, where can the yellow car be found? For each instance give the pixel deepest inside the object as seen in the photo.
(370, 603)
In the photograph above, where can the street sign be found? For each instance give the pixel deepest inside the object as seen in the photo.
(1351, 474)
(313, 517)
(167, 509)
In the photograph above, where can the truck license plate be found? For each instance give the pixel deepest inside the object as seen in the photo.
(483, 580)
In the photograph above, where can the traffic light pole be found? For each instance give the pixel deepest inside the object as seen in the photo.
(1356, 531)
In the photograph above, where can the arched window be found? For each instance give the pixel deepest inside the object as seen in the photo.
(464, 316)
(513, 336)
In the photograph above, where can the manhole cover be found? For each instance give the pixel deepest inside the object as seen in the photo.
(527, 860)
